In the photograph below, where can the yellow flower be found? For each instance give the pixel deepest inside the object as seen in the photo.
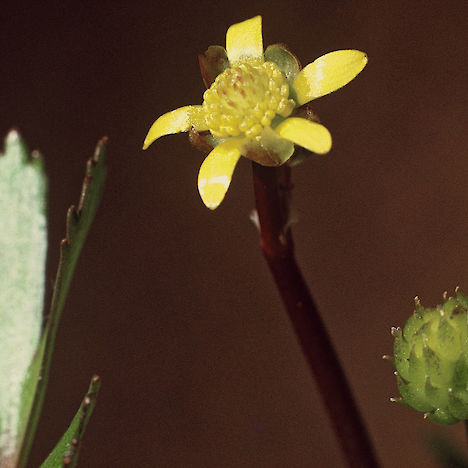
(252, 105)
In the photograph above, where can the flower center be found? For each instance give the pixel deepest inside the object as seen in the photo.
(244, 99)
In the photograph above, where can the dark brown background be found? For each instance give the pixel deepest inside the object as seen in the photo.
(172, 304)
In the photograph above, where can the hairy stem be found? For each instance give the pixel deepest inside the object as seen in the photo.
(272, 188)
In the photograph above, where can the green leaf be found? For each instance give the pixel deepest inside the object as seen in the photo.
(23, 246)
(65, 453)
(78, 223)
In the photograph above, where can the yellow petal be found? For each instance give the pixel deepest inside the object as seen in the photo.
(309, 135)
(244, 40)
(179, 120)
(216, 171)
(328, 73)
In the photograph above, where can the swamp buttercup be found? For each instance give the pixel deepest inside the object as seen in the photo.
(252, 106)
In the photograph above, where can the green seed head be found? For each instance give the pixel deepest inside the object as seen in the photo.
(431, 359)
(244, 99)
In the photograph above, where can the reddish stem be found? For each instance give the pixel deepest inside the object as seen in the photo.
(272, 188)
(465, 422)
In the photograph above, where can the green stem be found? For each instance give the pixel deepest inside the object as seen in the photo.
(272, 190)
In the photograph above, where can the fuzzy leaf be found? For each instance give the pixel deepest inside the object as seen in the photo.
(78, 223)
(23, 246)
(65, 453)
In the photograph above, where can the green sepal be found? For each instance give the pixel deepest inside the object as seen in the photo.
(416, 367)
(401, 351)
(460, 373)
(447, 340)
(436, 396)
(462, 298)
(197, 140)
(413, 324)
(413, 396)
(458, 404)
(212, 63)
(270, 149)
(65, 453)
(439, 370)
(285, 60)
(203, 141)
(442, 416)
(301, 154)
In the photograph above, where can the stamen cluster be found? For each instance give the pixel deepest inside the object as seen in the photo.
(244, 99)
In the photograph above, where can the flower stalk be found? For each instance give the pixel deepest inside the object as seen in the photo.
(256, 106)
(272, 188)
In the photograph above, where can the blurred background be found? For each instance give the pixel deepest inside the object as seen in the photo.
(173, 305)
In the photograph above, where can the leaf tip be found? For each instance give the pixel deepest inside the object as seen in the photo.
(13, 136)
(95, 379)
(100, 149)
